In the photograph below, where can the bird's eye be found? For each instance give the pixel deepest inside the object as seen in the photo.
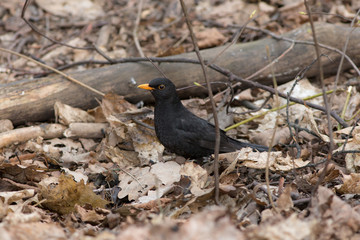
(161, 87)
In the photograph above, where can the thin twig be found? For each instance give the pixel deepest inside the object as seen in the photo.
(133, 177)
(237, 36)
(271, 90)
(332, 14)
(327, 107)
(350, 134)
(20, 185)
(276, 60)
(348, 95)
(162, 28)
(98, 50)
(211, 97)
(262, 69)
(137, 22)
(35, 29)
(54, 70)
(141, 123)
(160, 71)
(288, 121)
(343, 54)
(277, 104)
(278, 37)
(272, 110)
(220, 70)
(308, 43)
(256, 109)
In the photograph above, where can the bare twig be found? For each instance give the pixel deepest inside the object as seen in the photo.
(216, 68)
(160, 71)
(235, 38)
(35, 29)
(133, 177)
(164, 26)
(271, 90)
(260, 70)
(271, 63)
(277, 104)
(327, 107)
(288, 121)
(350, 134)
(343, 54)
(278, 37)
(98, 50)
(256, 109)
(308, 43)
(20, 185)
(216, 121)
(137, 22)
(54, 70)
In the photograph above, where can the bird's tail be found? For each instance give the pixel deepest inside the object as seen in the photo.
(240, 145)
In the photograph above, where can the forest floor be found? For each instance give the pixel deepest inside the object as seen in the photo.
(100, 174)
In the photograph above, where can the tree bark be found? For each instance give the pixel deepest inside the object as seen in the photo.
(33, 99)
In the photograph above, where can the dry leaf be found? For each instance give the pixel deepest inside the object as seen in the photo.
(167, 173)
(89, 216)
(14, 196)
(156, 194)
(351, 184)
(135, 182)
(338, 220)
(113, 104)
(248, 158)
(67, 194)
(210, 37)
(290, 228)
(198, 177)
(5, 125)
(284, 202)
(67, 8)
(352, 160)
(37, 230)
(66, 114)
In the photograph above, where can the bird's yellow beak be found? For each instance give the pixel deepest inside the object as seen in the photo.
(146, 87)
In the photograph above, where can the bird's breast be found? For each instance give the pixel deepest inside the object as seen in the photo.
(165, 127)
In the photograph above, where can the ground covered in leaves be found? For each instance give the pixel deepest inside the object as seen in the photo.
(101, 173)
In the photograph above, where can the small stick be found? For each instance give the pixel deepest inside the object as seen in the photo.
(137, 22)
(54, 70)
(211, 97)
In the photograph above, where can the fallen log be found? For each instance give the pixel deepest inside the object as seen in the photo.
(49, 131)
(33, 99)
(19, 135)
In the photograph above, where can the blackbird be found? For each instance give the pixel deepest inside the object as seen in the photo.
(182, 132)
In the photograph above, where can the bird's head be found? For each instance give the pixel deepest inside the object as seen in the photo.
(161, 89)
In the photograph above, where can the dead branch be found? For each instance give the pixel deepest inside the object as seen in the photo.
(86, 130)
(33, 99)
(46, 131)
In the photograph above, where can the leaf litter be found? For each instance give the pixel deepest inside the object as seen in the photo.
(66, 184)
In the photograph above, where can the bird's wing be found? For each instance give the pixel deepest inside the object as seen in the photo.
(199, 132)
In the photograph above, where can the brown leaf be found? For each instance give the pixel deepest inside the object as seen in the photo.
(89, 216)
(337, 219)
(38, 230)
(135, 182)
(67, 114)
(284, 201)
(210, 37)
(351, 184)
(67, 194)
(113, 104)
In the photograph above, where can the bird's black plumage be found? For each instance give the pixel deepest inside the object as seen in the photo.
(180, 130)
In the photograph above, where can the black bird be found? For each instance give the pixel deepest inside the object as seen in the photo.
(182, 132)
